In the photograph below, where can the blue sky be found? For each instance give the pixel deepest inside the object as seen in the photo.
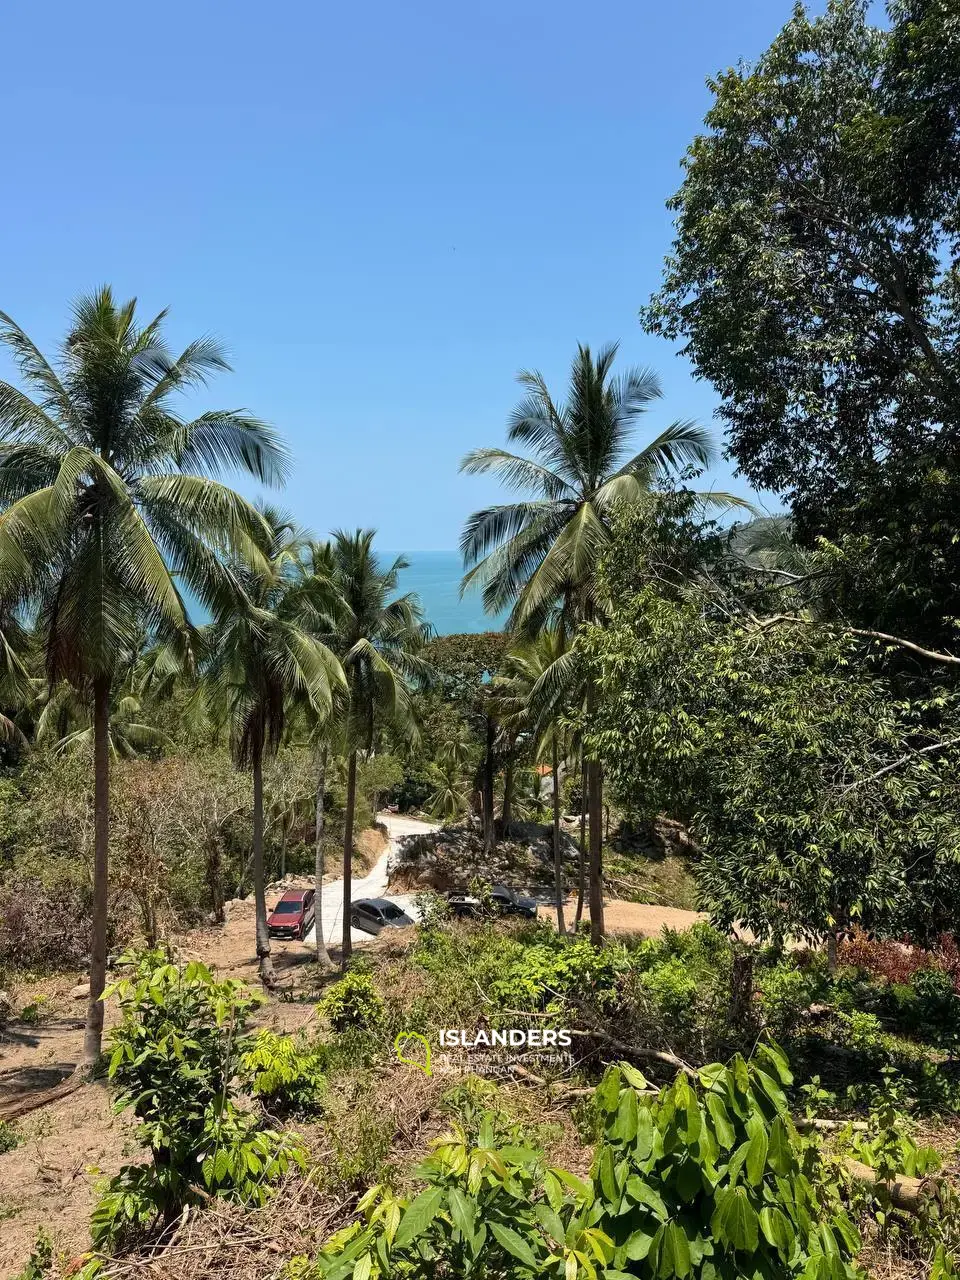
(383, 210)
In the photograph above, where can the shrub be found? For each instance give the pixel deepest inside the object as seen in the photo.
(352, 1003)
(285, 1073)
(43, 928)
(785, 993)
(710, 1179)
(9, 1136)
(672, 989)
(174, 1058)
(538, 977)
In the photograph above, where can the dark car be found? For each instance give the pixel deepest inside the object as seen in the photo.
(293, 915)
(502, 901)
(373, 914)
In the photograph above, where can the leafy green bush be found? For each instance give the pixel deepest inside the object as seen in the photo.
(353, 1003)
(672, 990)
(707, 1180)
(542, 974)
(40, 1262)
(285, 1073)
(785, 992)
(174, 1058)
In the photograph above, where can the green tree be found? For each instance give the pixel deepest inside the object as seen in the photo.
(380, 640)
(814, 282)
(816, 795)
(464, 667)
(542, 553)
(265, 660)
(106, 514)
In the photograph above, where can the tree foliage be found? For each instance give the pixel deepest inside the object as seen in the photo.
(814, 282)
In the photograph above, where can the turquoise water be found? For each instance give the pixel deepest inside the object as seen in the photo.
(435, 577)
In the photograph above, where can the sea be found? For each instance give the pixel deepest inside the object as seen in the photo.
(435, 577)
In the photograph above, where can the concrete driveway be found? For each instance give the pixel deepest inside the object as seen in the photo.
(373, 885)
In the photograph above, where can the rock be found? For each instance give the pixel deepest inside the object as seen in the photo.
(81, 991)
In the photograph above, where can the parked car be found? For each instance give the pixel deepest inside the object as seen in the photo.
(293, 916)
(373, 914)
(502, 901)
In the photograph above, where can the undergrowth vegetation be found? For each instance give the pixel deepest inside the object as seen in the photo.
(674, 1138)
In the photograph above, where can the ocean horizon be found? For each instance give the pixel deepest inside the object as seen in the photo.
(435, 577)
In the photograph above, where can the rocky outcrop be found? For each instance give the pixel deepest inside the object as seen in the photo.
(453, 858)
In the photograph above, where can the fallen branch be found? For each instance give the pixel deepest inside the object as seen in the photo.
(830, 1126)
(22, 1104)
(910, 1195)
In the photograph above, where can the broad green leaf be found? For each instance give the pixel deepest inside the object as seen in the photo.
(418, 1216)
(638, 1246)
(643, 1143)
(363, 1268)
(608, 1090)
(462, 1211)
(670, 1252)
(550, 1221)
(722, 1127)
(780, 1152)
(625, 1127)
(641, 1192)
(608, 1183)
(515, 1244)
(735, 1220)
(777, 1230)
(756, 1156)
(634, 1077)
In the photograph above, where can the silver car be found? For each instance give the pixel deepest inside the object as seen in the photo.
(373, 914)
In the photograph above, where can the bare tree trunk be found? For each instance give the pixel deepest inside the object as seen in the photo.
(93, 1033)
(323, 955)
(741, 986)
(582, 860)
(214, 880)
(347, 945)
(557, 867)
(489, 826)
(267, 975)
(595, 791)
(832, 951)
(506, 814)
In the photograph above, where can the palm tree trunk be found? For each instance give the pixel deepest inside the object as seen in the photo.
(582, 860)
(93, 1033)
(267, 975)
(595, 816)
(595, 790)
(347, 945)
(489, 826)
(557, 869)
(323, 955)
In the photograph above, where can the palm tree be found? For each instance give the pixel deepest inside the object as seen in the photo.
(380, 642)
(325, 731)
(541, 553)
(265, 661)
(107, 506)
(64, 723)
(451, 796)
(540, 685)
